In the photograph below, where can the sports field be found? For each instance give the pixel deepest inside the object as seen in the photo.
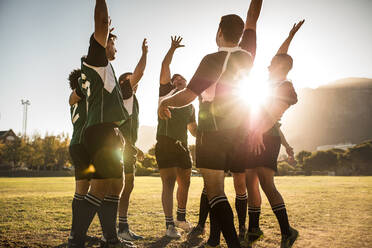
(328, 212)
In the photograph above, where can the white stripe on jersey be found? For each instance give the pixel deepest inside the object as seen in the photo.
(107, 75)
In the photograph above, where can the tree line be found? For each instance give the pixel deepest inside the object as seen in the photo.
(51, 153)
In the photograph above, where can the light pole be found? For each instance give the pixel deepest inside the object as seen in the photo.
(25, 104)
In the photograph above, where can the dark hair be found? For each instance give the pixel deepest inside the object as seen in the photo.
(232, 27)
(122, 76)
(73, 78)
(286, 58)
(176, 75)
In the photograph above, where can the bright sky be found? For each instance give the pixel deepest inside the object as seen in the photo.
(43, 40)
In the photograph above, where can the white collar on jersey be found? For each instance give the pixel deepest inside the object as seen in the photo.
(232, 49)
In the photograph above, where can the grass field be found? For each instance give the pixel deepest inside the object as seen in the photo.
(328, 212)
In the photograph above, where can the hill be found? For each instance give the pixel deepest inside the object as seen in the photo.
(339, 112)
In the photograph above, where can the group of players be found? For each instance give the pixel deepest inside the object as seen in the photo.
(229, 137)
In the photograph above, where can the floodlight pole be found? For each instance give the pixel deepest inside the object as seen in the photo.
(25, 104)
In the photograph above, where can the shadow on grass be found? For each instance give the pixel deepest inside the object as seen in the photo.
(90, 242)
(162, 242)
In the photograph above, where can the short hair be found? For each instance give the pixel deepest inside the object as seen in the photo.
(285, 60)
(176, 75)
(232, 27)
(122, 76)
(73, 78)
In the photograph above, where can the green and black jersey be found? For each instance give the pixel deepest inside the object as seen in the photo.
(129, 128)
(78, 117)
(175, 127)
(101, 88)
(280, 91)
(217, 81)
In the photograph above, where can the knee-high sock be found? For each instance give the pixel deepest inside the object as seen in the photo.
(76, 205)
(254, 217)
(203, 209)
(281, 214)
(215, 231)
(107, 215)
(84, 217)
(221, 210)
(241, 203)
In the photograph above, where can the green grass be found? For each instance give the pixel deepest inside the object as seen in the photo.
(328, 211)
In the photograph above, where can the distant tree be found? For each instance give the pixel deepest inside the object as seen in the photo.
(302, 155)
(284, 168)
(321, 161)
(361, 158)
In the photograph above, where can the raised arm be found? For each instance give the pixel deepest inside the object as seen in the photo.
(140, 68)
(101, 22)
(165, 75)
(284, 47)
(253, 14)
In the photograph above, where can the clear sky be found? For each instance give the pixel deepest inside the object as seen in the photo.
(43, 40)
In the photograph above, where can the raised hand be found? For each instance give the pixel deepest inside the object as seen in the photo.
(176, 42)
(164, 112)
(144, 46)
(296, 27)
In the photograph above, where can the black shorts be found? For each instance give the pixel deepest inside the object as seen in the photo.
(130, 158)
(80, 160)
(172, 153)
(268, 158)
(217, 150)
(104, 144)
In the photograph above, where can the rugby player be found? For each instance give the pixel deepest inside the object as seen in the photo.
(171, 150)
(129, 83)
(79, 156)
(264, 144)
(102, 138)
(216, 81)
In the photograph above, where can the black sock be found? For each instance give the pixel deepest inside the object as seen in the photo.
(254, 217)
(76, 204)
(107, 215)
(85, 214)
(221, 210)
(241, 203)
(169, 221)
(181, 214)
(281, 214)
(203, 209)
(215, 231)
(123, 223)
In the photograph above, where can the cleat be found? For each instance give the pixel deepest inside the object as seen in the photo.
(184, 225)
(172, 232)
(206, 245)
(196, 232)
(129, 235)
(242, 231)
(288, 241)
(252, 237)
(116, 243)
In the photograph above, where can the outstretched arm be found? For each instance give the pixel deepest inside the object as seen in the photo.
(140, 68)
(284, 47)
(101, 22)
(253, 14)
(165, 75)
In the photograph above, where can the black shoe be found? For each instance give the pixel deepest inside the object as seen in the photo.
(116, 243)
(196, 232)
(242, 231)
(288, 241)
